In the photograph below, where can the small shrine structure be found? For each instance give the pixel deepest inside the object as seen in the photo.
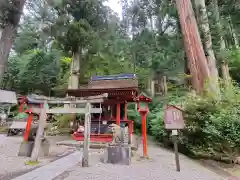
(121, 90)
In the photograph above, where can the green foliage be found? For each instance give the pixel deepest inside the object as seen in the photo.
(212, 127)
(63, 121)
(233, 58)
(78, 34)
(8, 9)
(35, 70)
(20, 116)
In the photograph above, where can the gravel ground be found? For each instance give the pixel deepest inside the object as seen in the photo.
(161, 166)
(12, 165)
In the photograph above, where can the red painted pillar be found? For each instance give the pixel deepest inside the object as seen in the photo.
(22, 103)
(28, 127)
(21, 107)
(125, 112)
(144, 133)
(118, 114)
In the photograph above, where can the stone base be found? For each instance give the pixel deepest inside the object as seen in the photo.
(117, 154)
(27, 147)
(45, 147)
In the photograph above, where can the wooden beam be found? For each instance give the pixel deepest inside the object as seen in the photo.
(72, 110)
(66, 110)
(70, 100)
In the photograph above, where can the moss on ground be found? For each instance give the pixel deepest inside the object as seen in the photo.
(32, 163)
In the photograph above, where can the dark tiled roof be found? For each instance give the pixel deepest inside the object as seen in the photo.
(115, 85)
(111, 84)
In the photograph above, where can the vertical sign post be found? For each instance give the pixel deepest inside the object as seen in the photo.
(175, 144)
(173, 120)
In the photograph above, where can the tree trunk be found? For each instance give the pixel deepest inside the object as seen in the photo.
(224, 65)
(151, 85)
(225, 73)
(187, 80)
(164, 85)
(193, 47)
(73, 82)
(1, 30)
(8, 34)
(235, 39)
(233, 32)
(202, 18)
(5, 47)
(152, 88)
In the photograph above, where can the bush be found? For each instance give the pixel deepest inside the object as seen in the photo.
(63, 121)
(212, 126)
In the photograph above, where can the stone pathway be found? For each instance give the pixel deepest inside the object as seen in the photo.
(52, 170)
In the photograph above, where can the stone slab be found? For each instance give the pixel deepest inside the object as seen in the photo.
(77, 144)
(54, 169)
(27, 147)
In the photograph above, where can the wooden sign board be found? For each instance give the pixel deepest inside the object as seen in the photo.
(173, 118)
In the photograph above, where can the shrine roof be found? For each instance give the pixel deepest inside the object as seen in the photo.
(174, 106)
(114, 85)
(118, 82)
(142, 97)
(111, 82)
